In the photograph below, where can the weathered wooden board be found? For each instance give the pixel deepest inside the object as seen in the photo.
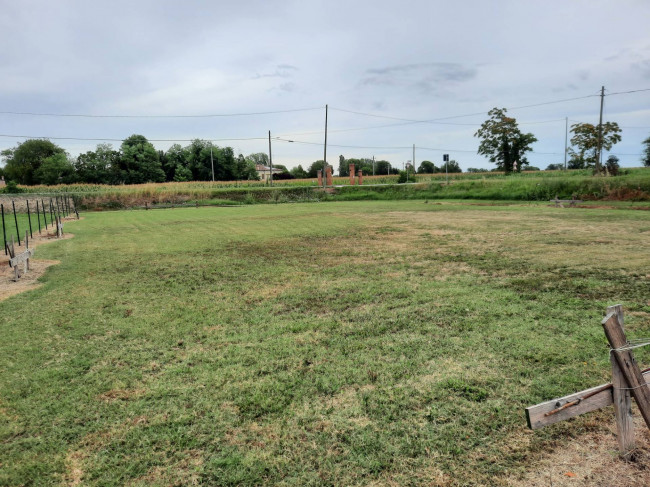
(21, 258)
(535, 415)
(629, 368)
(621, 396)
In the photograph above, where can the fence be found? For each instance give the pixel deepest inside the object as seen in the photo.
(32, 214)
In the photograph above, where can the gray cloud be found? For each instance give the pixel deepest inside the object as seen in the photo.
(426, 78)
(281, 71)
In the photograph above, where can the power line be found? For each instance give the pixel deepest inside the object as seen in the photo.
(461, 116)
(626, 92)
(212, 115)
(103, 139)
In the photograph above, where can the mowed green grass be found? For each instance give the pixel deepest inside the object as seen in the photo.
(367, 343)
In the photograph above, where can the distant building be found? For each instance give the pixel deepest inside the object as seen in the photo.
(2, 182)
(265, 171)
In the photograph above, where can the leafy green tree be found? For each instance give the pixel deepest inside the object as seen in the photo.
(427, 167)
(502, 141)
(139, 162)
(175, 164)
(584, 143)
(246, 169)
(312, 172)
(100, 166)
(385, 167)
(646, 153)
(612, 165)
(298, 172)
(450, 167)
(554, 167)
(56, 169)
(22, 161)
(259, 158)
(475, 169)
(344, 169)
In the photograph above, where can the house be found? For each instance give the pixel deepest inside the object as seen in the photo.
(2, 182)
(265, 171)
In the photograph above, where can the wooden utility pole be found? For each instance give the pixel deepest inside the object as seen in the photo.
(270, 161)
(566, 139)
(325, 148)
(600, 131)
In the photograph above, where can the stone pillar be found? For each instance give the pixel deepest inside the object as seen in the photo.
(360, 176)
(328, 175)
(351, 174)
(320, 177)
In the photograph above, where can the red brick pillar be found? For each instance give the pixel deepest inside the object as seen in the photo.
(320, 177)
(360, 176)
(328, 176)
(351, 174)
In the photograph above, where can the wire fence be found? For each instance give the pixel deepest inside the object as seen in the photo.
(33, 215)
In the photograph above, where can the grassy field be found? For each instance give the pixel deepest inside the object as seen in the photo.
(359, 343)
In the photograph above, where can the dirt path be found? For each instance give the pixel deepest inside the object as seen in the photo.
(37, 266)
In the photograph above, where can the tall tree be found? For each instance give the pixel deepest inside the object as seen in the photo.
(584, 143)
(22, 161)
(101, 166)
(427, 167)
(502, 141)
(56, 169)
(139, 161)
(646, 153)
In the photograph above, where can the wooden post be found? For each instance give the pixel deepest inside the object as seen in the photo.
(44, 214)
(13, 204)
(29, 219)
(4, 231)
(38, 215)
(622, 398)
(629, 367)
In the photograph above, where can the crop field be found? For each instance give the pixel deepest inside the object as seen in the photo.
(384, 343)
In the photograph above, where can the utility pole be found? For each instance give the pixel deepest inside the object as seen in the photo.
(212, 162)
(413, 162)
(600, 132)
(566, 137)
(325, 151)
(270, 161)
(373, 165)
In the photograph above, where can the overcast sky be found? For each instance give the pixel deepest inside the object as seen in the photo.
(413, 60)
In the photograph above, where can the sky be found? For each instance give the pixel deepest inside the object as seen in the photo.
(393, 74)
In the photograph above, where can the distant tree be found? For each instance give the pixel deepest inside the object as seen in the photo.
(315, 166)
(298, 172)
(344, 169)
(528, 167)
(584, 143)
(385, 167)
(554, 167)
(646, 153)
(450, 167)
(502, 141)
(100, 166)
(56, 169)
(427, 167)
(246, 169)
(612, 165)
(259, 158)
(22, 161)
(175, 164)
(474, 169)
(139, 161)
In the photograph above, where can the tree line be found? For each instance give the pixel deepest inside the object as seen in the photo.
(503, 143)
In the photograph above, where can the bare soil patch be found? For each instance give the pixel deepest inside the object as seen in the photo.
(592, 460)
(38, 267)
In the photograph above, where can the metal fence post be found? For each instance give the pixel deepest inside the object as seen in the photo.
(16, 220)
